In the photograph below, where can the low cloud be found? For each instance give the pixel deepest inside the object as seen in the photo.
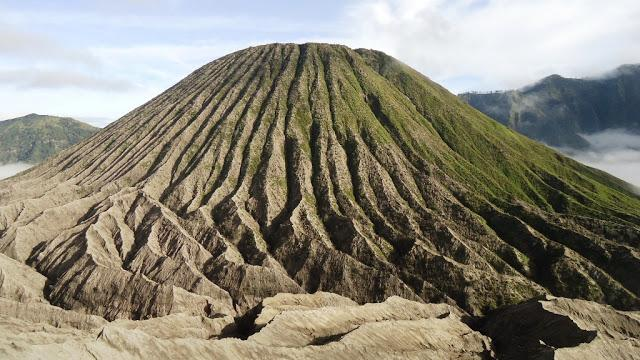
(55, 79)
(626, 69)
(9, 170)
(614, 151)
(613, 139)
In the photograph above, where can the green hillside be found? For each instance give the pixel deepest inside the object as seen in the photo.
(33, 138)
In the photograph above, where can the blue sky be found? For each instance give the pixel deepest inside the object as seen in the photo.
(96, 60)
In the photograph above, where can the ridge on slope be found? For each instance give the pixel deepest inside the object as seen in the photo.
(33, 138)
(558, 110)
(299, 168)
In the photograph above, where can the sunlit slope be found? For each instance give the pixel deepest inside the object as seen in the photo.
(298, 168)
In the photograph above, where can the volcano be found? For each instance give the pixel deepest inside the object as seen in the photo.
(301, 168)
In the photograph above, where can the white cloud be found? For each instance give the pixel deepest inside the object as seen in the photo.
(614, 151)
(55, 79)
(238, 22)
(20, 44)
(494, 44)
(9, 170)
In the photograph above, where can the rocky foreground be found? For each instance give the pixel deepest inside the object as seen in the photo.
(313, 326)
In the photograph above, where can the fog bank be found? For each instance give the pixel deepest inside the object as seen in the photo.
(9, 170)
(614, 151)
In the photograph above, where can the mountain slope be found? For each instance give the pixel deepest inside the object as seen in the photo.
(557, 110)
(298, 168)
(33, 138)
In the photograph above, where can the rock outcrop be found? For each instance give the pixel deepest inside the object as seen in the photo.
(323, 325)
(558, 328)
(317, 326)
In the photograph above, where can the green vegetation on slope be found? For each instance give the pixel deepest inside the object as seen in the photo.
(33, 138)
(501, 163)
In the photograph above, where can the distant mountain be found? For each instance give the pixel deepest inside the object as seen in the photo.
(556, 110)
(33, 138)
